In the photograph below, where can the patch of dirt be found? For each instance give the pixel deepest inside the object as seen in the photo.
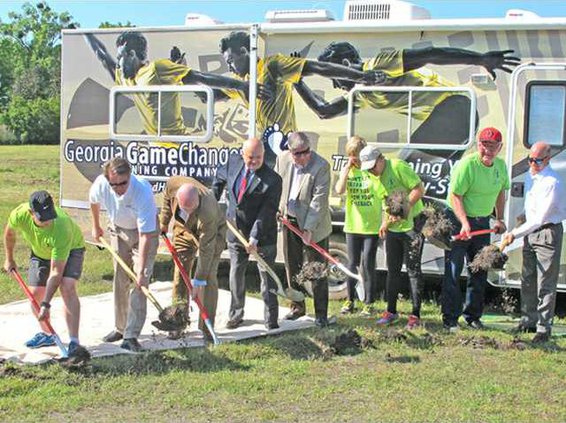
(172, 318)
(516, 344)
(392, 335)
(489, 257)
(78, 359)
(480, 342)
(347, 342)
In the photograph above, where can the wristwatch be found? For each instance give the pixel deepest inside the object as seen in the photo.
(45, 304)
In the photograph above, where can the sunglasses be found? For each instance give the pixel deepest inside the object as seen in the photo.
(118, 184)
(537, 161)
(301, 153)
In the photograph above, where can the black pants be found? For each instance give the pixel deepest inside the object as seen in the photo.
(296, 254)
(404, 247)
(362, 248)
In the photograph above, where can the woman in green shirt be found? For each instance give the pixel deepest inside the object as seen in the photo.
(362, 223)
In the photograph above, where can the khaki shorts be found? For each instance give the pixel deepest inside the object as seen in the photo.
(39, 268)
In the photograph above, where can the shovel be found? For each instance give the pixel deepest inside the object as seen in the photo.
(187, 280)
(444, 243)
(35, 306)
(288, 293)
(164, 323)
(328, 257)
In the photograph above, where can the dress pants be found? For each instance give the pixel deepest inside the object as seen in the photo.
(239, 258)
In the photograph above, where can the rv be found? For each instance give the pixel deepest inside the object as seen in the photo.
(444, 79)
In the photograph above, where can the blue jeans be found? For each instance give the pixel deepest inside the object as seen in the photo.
(453, 265)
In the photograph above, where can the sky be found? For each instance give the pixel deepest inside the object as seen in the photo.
(144, 13)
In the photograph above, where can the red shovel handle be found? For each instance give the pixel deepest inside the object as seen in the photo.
(474, 233)
(184, 275)
(312, 244)
(35, 307)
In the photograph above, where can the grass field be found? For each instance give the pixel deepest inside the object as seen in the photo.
(426, 375)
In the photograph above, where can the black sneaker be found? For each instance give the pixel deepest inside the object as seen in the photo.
(113, 336)
(523, 329)
(272, 325)
(541, 338)
(131, 344)
(451, 327)
(476, 324)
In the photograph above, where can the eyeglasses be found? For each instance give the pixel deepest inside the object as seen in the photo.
(301, 153)
(537, 161)
(490, 144)
(118, 184)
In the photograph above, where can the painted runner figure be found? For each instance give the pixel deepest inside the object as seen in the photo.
(545, 209)
(56, 261)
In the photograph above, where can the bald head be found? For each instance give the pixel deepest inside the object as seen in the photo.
(539, 157)
(252, 153)
(540, 148)
(187, 197)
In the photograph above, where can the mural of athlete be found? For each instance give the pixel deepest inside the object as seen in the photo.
(279, 73)
(131, 68)
(444, 115)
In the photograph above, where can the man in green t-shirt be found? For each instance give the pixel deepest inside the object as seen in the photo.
(57, 254)
(477, 187)
(403, 240)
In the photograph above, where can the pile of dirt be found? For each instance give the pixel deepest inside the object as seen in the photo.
(480, 342)
(489, 257)
(341, 342)
(438, 228)
(77, 359)
(397, 204)
(172, 318)
(516, 344)
(392, 335)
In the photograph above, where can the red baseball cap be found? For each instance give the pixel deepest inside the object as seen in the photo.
(490, 134)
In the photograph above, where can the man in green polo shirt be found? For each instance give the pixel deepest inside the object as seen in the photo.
(56, 261)
(403, 240)
(477, 187)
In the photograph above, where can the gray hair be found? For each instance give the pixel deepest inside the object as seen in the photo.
(117, 165)
(298, 140)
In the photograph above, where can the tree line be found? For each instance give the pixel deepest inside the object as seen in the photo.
(30, 73)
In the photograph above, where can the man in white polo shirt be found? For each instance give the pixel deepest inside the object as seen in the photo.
(134, 235)
(541, 226)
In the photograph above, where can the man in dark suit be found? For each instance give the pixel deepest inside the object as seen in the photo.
(253, 191)
(306, 187)
(198, 225)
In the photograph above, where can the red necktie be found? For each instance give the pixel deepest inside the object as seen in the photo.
(243, 185)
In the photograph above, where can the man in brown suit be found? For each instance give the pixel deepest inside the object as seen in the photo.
(304, 202)
(198, 225)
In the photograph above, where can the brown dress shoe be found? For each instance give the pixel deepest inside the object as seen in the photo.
(234, 323)
(113, 336)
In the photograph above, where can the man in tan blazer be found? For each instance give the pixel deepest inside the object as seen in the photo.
(198, 225)
(304, 201)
